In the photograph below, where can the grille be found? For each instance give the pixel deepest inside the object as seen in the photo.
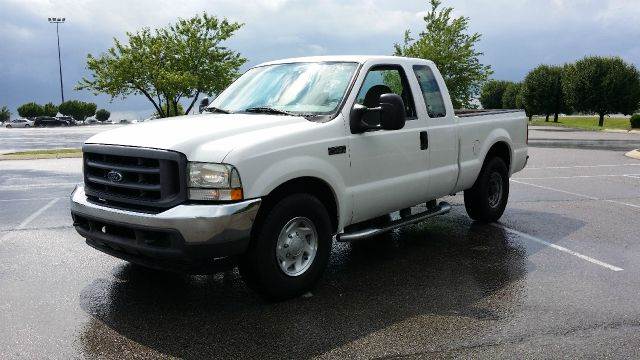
(134, 178)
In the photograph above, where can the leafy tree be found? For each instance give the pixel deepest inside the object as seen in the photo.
(172, 111)
(543, 92)
(521, 103)
(492, 93)
(79, 110)
(49, 109)
(166, 65)
(30, 110)
(5, 114)
(602, 85)
(510, 96)
(448, 44)
(635, 121)
(102, 115)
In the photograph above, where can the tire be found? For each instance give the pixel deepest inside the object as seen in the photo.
(261, 266)
(27, 126)
(9, 126)
(487, 199)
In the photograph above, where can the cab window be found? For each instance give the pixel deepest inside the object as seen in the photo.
(384, 80)
(430, 91)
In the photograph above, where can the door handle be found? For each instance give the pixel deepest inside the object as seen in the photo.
(424, 140)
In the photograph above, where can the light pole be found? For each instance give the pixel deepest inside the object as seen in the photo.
(59, 21)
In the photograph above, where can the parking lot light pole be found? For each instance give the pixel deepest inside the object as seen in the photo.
(59, 21)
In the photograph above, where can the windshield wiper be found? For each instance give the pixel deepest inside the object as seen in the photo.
(214, 109)
(269, 110)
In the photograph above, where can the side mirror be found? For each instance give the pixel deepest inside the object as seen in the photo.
(203, 103)
(391, 113)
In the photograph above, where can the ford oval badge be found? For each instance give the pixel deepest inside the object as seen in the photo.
(114, 176)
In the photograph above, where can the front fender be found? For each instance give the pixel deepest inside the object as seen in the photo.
(261, 183)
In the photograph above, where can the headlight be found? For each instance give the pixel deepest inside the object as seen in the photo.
(209, 181)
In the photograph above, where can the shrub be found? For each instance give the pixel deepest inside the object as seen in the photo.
(79, 110)
(50, 109)
(30, 110)
(102, 115)
(635, 121)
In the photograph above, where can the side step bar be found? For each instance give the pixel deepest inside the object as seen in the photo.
(440, 209)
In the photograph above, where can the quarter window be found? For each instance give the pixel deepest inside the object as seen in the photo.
(430, 91)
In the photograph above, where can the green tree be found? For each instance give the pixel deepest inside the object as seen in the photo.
(447, 43)
(30, 110)
(102, 115)
(602, 85)
(49, 109)
(521, 103)
(5, 114)
(492, 92)
(172, 111)
(543, 91)
(509, 98)
(79, 110)
(165, 65)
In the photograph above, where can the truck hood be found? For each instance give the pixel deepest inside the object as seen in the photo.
(197, 136)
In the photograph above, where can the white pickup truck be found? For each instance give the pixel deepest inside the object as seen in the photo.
(294, 155)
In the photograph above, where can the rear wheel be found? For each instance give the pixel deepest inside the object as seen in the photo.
(290, 250)
(488, 197)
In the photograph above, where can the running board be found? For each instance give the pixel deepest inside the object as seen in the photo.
(440, 209)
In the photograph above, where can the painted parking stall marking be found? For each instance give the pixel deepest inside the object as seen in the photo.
(557, 247)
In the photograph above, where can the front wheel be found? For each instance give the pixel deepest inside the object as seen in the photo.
(488, 197)
(290, 250)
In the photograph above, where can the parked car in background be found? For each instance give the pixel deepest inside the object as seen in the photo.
(47, 121)
(69, 119)
(91, 121)
(18, 123)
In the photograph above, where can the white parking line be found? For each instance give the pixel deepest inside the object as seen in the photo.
(29, 219)
(552, 189)
(578, 176)
(558, 247)
(580, 166)
(578, 195)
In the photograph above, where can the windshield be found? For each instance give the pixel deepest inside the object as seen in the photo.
(304, 89)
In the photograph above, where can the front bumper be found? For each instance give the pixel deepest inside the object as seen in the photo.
(185, 233)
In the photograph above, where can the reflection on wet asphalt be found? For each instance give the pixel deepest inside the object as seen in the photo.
(442, 269)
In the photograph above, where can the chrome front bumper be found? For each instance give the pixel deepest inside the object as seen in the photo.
(223, 228)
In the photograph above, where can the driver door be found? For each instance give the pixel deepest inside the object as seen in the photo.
(388, 167)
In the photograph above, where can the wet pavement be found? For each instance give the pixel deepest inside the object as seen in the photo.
(557, 277)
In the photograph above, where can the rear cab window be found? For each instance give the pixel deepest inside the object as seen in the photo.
(430, 91)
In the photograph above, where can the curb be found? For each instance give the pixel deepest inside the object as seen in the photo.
(634, 154)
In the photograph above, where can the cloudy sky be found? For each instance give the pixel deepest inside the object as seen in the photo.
(517, 34)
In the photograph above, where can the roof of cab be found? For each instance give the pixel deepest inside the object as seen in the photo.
(348, 58)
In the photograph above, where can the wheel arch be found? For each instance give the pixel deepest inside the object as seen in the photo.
(307, 185)
(501, 149)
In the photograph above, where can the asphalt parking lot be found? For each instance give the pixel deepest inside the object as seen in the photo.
(557, 277)
(47, 138)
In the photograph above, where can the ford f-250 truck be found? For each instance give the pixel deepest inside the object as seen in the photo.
(292, 156)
